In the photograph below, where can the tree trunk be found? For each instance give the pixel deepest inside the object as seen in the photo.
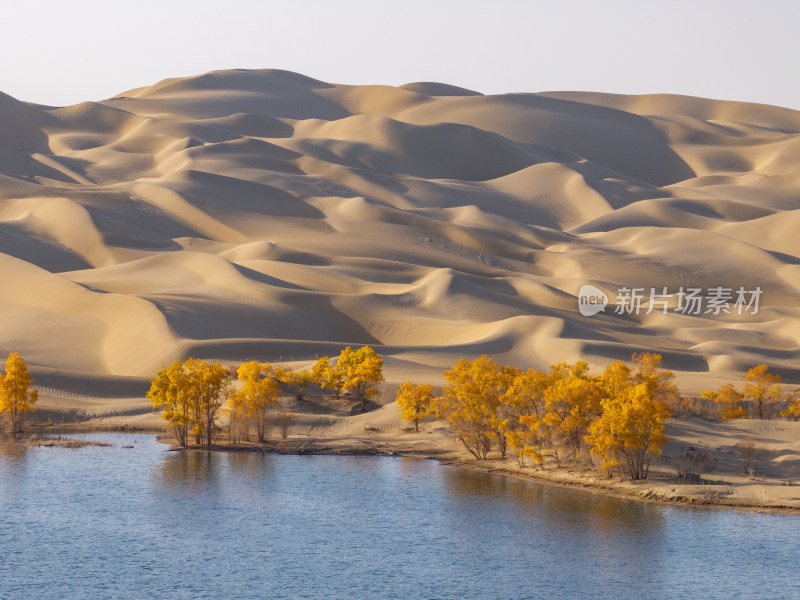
(363, 395)
(180, 434)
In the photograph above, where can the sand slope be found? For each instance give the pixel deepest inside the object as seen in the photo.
(264, 214)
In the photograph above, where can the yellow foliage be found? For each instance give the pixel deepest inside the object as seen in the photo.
(191, 394)
(729, 402)
(572, 401)
(471, 401)
(414, 402)
(525, 444)
(296, 381)
(212, 385)
(647, 369)
(523, 403)
(170, 391)
(328, 376)
(630, 429)
(16, 394)
(525, 392)
(793, 410)
(762, 388)
(526, 440)
(363, 371)
(616, 378)
(621, 413)
(633, 409)
(259, 393)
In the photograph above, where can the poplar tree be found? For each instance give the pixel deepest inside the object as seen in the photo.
(17, 395)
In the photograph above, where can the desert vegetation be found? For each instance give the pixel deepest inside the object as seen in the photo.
(565, 414)
(194, 394)
(17, 395)
(761, 397)
(611, 421)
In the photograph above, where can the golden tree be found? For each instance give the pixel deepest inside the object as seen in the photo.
(470, 404)
(193, 370)
(363, 370)
(762, 388)
(647, 369)
(616, 378)
(630, 429)
(572, 402)
(213, 387)
(17, 395)
(296, 382)
(414, 402)
(239, 421)
(171, 391)
(469, 418)
(259, 393)
(729, 402)
(191, 395)
(523, 404)
(328, 377)
(793, 409)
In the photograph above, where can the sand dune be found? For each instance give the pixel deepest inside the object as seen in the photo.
(264, 214)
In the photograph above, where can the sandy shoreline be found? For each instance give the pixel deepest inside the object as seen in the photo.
(656, 490)
(381, 433)
(321, 426)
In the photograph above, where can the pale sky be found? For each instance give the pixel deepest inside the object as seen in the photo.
(64, 52)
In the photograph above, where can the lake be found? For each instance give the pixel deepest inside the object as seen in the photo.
(144, 522)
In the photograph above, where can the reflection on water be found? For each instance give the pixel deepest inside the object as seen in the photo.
(12, 453)
(131, 523)
(190, 471)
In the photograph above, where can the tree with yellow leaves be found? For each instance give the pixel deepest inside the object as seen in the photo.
(620, 414)
(471, 401)
(328, 376)
(258, 394)
(414, 402)
(761, 387)
(633, 409)
(191, 395)
(17, 395)
(210, 387)
(171, 391)
(729, 402)
(296, 382)
(469, 418)
(524, 405)
(647, 369)
(630, 429)
(239, 421)
(363, 371)
(792, 411)
(572, 402)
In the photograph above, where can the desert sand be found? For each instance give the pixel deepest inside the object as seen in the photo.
(267, 215)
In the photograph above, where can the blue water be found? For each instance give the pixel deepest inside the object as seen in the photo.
(110, 522)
